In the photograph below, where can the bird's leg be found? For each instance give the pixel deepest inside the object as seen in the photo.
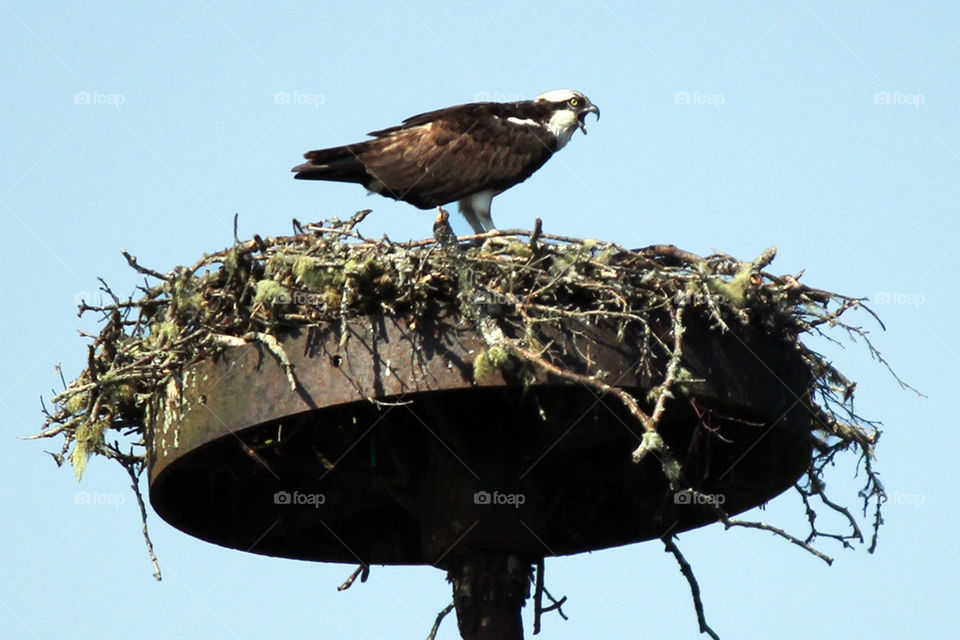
(476, 211)
(476, 223)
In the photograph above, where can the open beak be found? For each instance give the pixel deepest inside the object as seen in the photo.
(582, 116)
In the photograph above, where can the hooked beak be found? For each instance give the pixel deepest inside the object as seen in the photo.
(582, 116)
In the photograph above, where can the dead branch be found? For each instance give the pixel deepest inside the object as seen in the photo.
(363, 571)
(729, 522)
(436, 623)
(687, 572)
(539, 591)
(132, 261)
(131, 465)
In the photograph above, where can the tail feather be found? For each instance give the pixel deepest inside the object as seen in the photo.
(341, 164)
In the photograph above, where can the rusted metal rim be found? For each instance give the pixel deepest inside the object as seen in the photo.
(445, 466)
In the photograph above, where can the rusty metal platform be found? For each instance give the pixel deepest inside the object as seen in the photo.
(444, 467)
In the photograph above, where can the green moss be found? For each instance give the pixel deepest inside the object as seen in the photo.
(735, 289)
(162, 333)
(77, 403)
(167, 331)
(331, 298)
(489, 362)
(231, 261)
(498, 356)
(310, 273)
(671, 469)
(481, 367)
(520, 249)
(651, 441)
(88, 438)
(533, 344)
(605, 255)
(273, 265)
(189, 302)
(123, 393)
(270, 292)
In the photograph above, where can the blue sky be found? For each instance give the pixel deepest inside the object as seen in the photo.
(830, 130)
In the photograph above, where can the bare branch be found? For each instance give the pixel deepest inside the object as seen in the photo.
(132, 261)
(363, 571)
(728, 522)
(687, 572)
(436, 623)
(131, 467)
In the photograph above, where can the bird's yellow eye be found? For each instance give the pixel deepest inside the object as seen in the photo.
(574, 102)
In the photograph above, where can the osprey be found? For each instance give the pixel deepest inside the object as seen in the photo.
(468, 153)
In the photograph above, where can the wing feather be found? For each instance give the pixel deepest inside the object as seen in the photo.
(444, 159)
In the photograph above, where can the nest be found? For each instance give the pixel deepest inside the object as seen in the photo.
(512, 287)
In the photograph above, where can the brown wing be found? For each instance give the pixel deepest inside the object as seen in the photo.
(453, 155)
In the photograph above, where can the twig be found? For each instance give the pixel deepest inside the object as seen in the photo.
(673, 255)
(556, 606)
(132, 261)
(873, 489)
(535, 239)
(728, 523)
(436, 623)
(628, 400)
(816, 489)
(539, 591)
(135, 484)
(363, 571)
(672, 368)
(274, 346)
(538, 597)
(687, 572)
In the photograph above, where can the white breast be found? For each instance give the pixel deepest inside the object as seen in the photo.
(562, 124)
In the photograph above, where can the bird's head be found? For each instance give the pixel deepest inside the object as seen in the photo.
(570, 109)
